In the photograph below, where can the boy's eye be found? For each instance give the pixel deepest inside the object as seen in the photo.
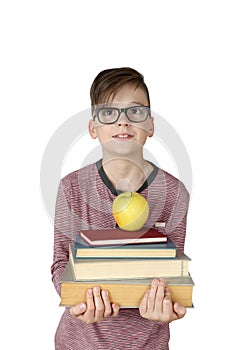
(108, 112)
(134, 110)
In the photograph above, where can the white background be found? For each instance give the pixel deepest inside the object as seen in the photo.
(50, 53)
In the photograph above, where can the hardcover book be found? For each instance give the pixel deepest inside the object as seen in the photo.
(123, 268)
(117, 236)
(148, 250)
(127, 293)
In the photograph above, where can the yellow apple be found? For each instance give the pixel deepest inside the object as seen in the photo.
(130, 211)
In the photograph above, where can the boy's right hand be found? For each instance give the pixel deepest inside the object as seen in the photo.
(97, 307)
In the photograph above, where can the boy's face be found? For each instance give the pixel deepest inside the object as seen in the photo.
(123, 136)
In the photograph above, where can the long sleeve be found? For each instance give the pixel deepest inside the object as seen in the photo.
(176, 224)
(62, 232)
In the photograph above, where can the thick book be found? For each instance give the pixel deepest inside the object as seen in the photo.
(147, 250)
(127, 293)
(115, 268)
(117, 236)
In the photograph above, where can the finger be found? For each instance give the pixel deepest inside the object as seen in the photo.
(115, 309)
(107, 304)
(78, 310)
(160, 296)
(143, 304)
(168, 314)
(99, 305)
(90, 312)
(167, 294)
(152, 294)
(179, 309)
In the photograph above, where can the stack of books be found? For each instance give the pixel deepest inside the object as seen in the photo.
(124, 263)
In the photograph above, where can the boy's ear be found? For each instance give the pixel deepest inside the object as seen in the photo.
(151, 128)
(92, 129)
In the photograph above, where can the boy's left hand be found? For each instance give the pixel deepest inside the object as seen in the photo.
(157, 304)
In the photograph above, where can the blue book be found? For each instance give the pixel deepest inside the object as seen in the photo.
(147, 250)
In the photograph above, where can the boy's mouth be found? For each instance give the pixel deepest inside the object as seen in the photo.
(123, 136)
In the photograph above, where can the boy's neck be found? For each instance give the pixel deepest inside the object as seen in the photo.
(127, 174)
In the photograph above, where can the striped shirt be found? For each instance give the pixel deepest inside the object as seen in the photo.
(84, 201)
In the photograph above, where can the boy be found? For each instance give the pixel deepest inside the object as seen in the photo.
(121, 121)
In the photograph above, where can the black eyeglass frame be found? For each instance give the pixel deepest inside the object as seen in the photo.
(121, 110)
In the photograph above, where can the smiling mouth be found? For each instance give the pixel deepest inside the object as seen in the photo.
(123, 136)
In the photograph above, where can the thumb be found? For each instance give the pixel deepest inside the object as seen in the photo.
(179, 309)
(78, 309)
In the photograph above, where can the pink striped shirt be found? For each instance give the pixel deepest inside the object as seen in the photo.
(84, 201)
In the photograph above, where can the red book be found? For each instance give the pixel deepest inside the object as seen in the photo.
(118, 236)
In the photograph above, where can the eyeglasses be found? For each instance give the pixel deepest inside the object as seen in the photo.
(110, 115)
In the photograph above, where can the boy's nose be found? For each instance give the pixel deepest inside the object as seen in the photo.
(123, 120)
